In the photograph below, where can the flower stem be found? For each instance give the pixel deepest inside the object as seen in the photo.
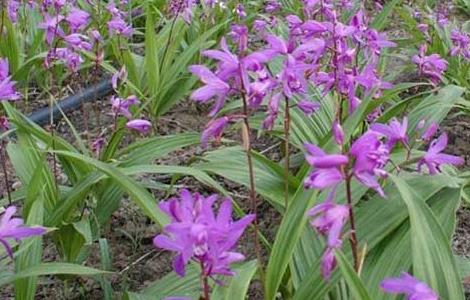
(353, 237)
(4, 168)
(204, 284)
(254, 209)
(287, 154)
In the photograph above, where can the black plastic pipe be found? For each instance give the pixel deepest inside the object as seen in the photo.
(71, 103)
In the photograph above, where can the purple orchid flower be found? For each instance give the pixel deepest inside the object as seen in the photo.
(78, 41)
(214, 129)
(117, 26)
(50, 25)
(240, 11)
(432, 66)
(119, 76)
(214, 88)
(328, 220)
(195, 233)
(430, 131)
(12, 10)
(338, 133)
(121, 106)
(394, 131)
(410, 286)
(7, 87)
(370, 81)
(12, 228)
(370, 155)
(140, 125)
(77, 19)
(98, 145)
(461, 42)
(327, 171)
(308, 107)
(433, 158)
(273, 109)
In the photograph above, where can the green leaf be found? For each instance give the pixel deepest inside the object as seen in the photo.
(236, 287)
(433, 261)
(171, 285)
(356, 287)
(138, 194)
(380, 20)
(292, 225)
(435, 107)
(231, 163)
(52, 268)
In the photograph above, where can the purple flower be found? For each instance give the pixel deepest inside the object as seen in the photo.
(259, 26)
(4, 124)
(394, 131)
(328, 220)
(338, 133)
(98, 144)
(77, 19)
(271, 6)
(12, 10)
(96, 36)
(370, 155)
(433, 158)
(407, 284)
(308, 107)
(78, 41)
(432, 66)
(7, 87)
(50, 24)
(12, 228)
(195, 233)
(370, 81)
(121, 76)
(214, 87)
(377, 41)
(423, 28)
(140, 125)
(117, 26)
(214, 130)
(461, 42)
(121, 106)
(240, 10)
(327, 171)
(239, 34)
(430, 132)
(273, 109)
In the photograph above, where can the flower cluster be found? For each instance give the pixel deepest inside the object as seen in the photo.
(121, 106)
(117, 25)
(195, 233)
(461, 44)
(432, 66)
(365, 161)
(7, 86)
(316, 52)
(64, 24)
(12, 228)
(329, 220)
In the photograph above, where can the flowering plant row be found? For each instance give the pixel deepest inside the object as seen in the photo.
(362, 178)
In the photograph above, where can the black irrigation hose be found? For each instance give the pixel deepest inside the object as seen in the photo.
(71, 103)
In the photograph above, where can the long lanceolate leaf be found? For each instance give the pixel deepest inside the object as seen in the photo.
(433, 261)
(292, 225)
(355, 284)
(139, 195)
(51, 269)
